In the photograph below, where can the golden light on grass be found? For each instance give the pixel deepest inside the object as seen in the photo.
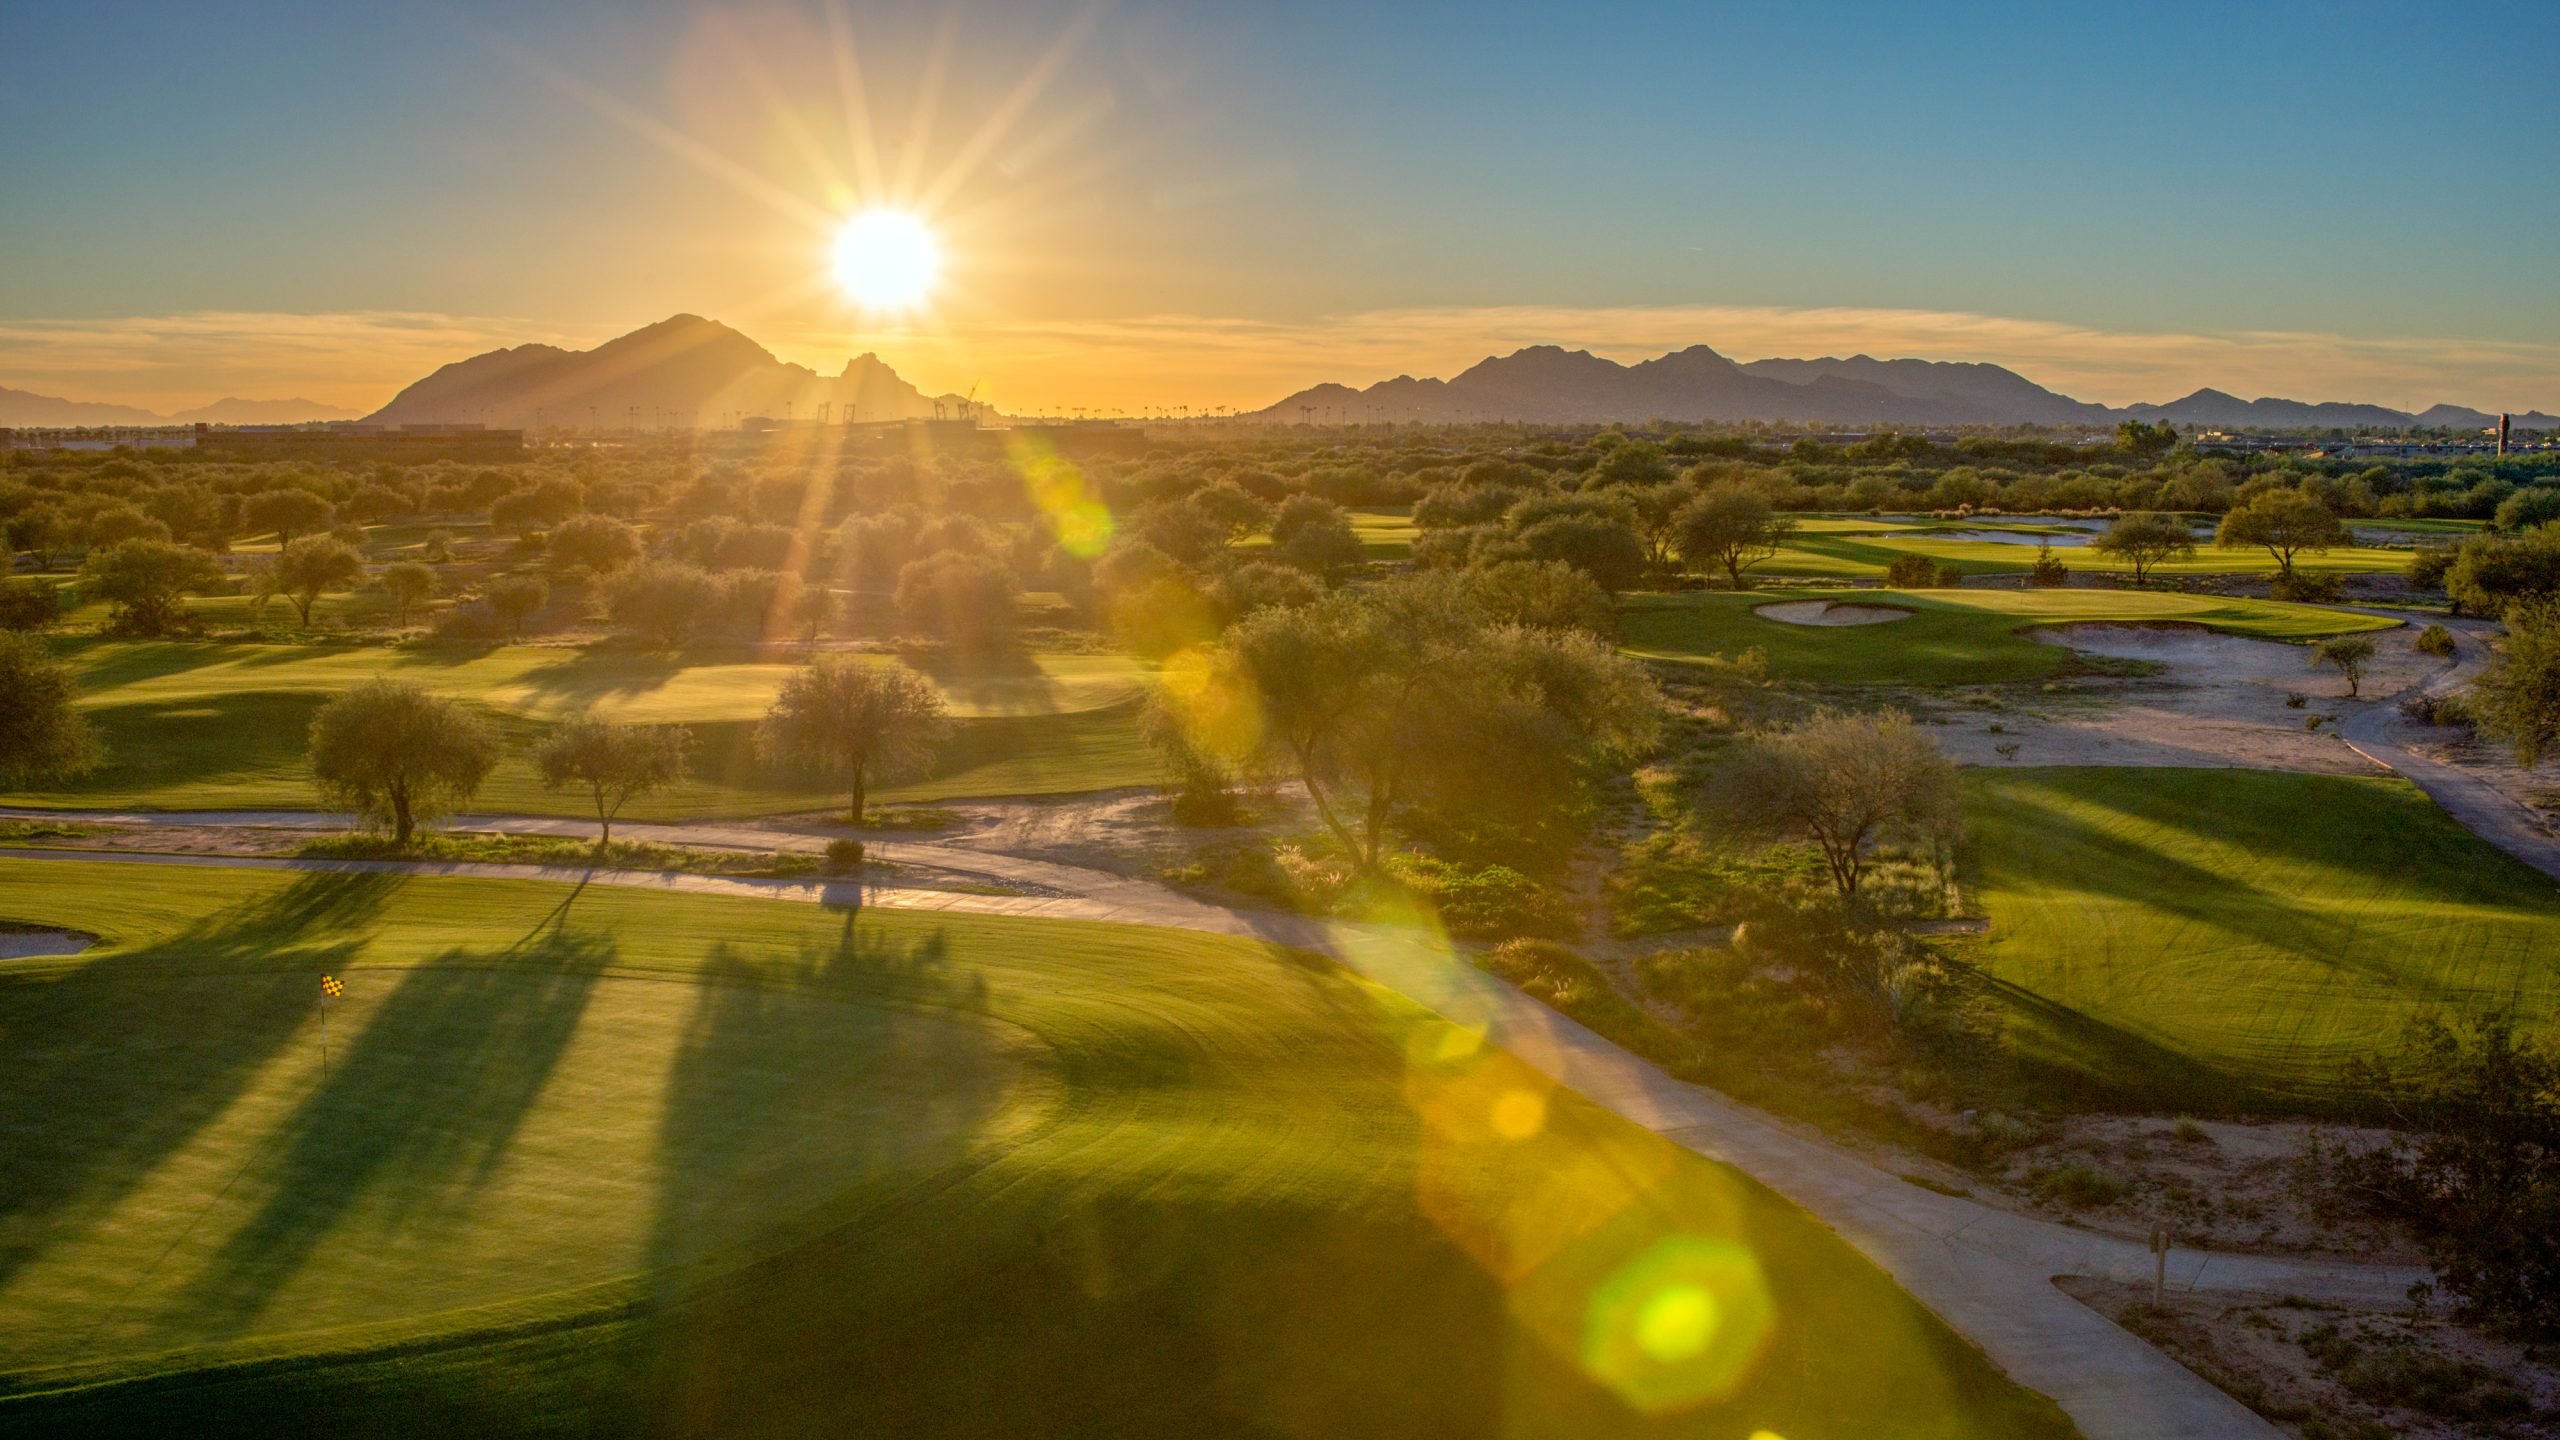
(887, 260)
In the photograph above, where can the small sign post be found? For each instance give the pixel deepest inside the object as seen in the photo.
(2159, 1268)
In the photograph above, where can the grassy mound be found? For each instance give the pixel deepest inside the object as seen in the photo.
(1953, 637)
(625, 1162)
(2200, 938)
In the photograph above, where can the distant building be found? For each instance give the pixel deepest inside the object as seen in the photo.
(419, 442)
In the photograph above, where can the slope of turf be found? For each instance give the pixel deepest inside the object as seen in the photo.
(2199, 938)
(1863, 552)
(614, 1162)
(198, 726)
(1953, 637)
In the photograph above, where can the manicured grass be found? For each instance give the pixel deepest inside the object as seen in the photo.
(613, 1162)
(200, 726)
(1865, 556)
(1954, 637)
(2205, 938)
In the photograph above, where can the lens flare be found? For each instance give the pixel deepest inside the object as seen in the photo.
(1682, 1325)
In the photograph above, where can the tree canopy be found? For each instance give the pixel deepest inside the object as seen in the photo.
(393, 753)
(856, 723)
(43, 737)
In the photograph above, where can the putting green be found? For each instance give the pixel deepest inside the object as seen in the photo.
(1953, 637)
(2200, 938)
(610, 1161)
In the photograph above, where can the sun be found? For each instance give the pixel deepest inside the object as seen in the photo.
(886, 260)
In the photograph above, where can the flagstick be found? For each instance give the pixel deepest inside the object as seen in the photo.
(324, 1037)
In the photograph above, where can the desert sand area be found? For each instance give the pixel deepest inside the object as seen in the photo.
(2211, 699)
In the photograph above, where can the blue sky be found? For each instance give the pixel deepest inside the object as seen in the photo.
(1239, 198)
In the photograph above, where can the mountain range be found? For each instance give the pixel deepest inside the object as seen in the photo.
(1548, 384)
(684, 371)
(24, 407)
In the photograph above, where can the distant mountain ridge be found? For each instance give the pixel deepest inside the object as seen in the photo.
(25, 407)
(1546, 384)
(682, 372)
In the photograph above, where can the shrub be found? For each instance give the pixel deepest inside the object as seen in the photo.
(438, 549)
(2429, 709)
(1481, 902)
(1949, 577)
(2307, 588)
(2078, 1186)
(2434, 640)
(1911, 572)
(28, 605)
(2047, 572)
(844, 855)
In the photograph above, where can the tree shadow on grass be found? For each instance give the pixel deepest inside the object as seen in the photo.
(416, 1114)
(117, 1063)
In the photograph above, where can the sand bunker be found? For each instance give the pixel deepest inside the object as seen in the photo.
(2195, 653)
(1825, 612)
(25, 944)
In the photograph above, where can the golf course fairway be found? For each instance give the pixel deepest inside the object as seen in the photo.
(592, 1160)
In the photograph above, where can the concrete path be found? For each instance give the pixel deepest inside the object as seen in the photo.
(1986, 1271)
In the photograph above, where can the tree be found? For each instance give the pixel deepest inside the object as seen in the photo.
(310, 567)
(1604, 547)
(28, 604)
(2349, 655)
(1540, 594)
(815, 609)
(391, 752)
(614, 762)
(1261, 585)
(661, 599)
(856, 723)
(1315, 535)
(2147, 443)
(2517, 700)
(2487, 575)
(594, 542)
(1400, 694)
(967, 599)
(2476, 1169)
(1846, 783)
(1732, 526)
(145, 580)
(2144, 538)
(2529, 508)
(516, 599)
(408, 585)
(118, 523)
(543, 505)
(42, 531)
(289, 512)
(2284, 523)
(42, 735)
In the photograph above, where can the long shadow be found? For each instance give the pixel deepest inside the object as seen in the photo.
(115, 1065)
(415, 1116)
(2084, 1060)
(167, 745)
(584, 679)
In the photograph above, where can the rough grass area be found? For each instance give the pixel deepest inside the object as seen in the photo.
(591, 1161)
(2200, 939)
(1954, 637)
(196, 727)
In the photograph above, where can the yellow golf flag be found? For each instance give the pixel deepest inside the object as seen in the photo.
(330, 987)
